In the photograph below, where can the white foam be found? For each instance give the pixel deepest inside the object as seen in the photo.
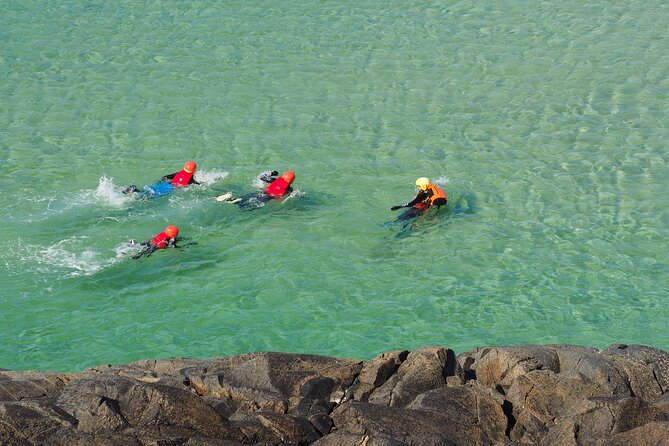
(108, 192)
(294, 194)
(127, 249)
(443, 180)
(210, 176)
(71, 255)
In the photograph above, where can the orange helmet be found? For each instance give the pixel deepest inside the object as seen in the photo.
(172, 231)
(190, 167)
(288, 176)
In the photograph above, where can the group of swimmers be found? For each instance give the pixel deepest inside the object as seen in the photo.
(428, 195)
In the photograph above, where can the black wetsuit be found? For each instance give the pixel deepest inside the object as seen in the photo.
(149, 247)
(422, 196)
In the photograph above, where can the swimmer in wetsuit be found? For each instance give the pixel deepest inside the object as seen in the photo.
(162, 240)
(428, 195)
(183, 178)
(277, 188)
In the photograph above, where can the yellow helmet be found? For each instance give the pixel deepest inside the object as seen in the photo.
(422, 182)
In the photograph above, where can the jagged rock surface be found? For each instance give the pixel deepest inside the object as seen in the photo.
(546, 395)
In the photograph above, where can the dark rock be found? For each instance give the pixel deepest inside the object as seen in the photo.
(400, 425)
(479, 417)
(346, 439)
(499, 366)
(26, 423)
(597, 419)
(650, 434)
(271, 428)
(32, 386)
(547, 395)
(555, 395)
(123, 405)
(424, 369)
(375, 373)
(663, 402)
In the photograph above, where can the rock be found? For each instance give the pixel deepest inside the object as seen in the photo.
(547, 395)
(425, 369)
(553, 395)
(597, 419)
(28, 422)
(499, 366)
(375, 373)
(479, 417)
(650, 434)
(663, 402)
(345, 439)
(271, 428)
(32, 386)
(123, 405)
(396, 424)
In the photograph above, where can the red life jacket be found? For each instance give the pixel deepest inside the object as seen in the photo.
(160, 240)
(182, 178)
(278, 187)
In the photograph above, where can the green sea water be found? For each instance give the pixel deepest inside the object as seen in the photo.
(546, 122)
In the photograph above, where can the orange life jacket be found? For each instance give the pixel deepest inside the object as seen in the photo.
(436, 193)
(182, 178)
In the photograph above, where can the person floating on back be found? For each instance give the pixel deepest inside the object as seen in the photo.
(168, 183)
(277, 188)
(162, 240)
(428, 195)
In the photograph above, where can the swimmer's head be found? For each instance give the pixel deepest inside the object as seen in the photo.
(422, 182)
(190, 167)
(172, 231)
(288, 176)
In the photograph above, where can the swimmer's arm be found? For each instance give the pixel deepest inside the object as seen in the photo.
(420, 196)
(169, 177)
(267, 177)
(192, 180)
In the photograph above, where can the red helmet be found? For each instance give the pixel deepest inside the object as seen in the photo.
(190, 167)
(288, 176)
(172, 231)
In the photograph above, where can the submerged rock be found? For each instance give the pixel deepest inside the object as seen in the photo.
(546, 395)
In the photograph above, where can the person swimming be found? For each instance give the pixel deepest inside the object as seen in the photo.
(277, 188)
(185, 177)
(428, 195)
(165, 239)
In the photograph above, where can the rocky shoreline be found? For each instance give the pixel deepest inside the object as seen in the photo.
(545, 395)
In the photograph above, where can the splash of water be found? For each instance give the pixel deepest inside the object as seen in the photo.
(210, 176)
(108, 192)
(443, 181)
(71, 255)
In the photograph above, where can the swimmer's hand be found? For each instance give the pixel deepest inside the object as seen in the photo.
(394, 208)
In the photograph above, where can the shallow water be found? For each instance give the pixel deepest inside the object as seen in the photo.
(545, 120)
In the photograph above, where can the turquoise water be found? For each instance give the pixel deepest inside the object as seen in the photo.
(545, 121)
